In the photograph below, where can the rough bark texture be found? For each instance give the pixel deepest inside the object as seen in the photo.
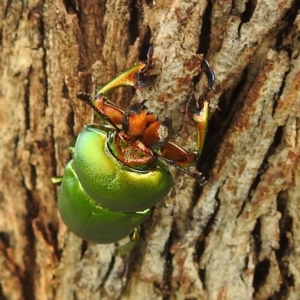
(238, 237)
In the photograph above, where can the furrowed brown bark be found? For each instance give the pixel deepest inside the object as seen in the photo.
(235, 238)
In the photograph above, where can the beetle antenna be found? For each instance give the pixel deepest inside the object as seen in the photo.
(196, 175)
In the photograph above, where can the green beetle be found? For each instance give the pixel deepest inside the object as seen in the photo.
(119, 172)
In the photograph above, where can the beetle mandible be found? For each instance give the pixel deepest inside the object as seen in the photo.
(118, 173)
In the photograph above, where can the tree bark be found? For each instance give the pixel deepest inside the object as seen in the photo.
(236, 238)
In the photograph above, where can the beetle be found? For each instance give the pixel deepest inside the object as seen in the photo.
(120, 171)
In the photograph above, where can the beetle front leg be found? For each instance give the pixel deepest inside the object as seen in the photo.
(199, 110)
(181, 159)
(135, 76)
(109, 112)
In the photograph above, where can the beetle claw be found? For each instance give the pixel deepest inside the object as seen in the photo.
(84, 96)
(210, 74)
(192, 105)
(201, 180)
(144, 81)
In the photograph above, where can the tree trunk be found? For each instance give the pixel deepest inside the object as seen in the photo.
(236, 238)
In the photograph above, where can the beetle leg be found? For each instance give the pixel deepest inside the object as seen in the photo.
(135, 76)
(127, 248)
(199, 112)
(110, 113)
(144, 81)
(56, 180)
(180, 159)
(177, 154)
(211, 78)
(196, 175)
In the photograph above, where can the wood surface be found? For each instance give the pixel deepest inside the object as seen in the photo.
(236, 238)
